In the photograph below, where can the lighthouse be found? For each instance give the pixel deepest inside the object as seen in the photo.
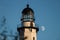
(28, 29)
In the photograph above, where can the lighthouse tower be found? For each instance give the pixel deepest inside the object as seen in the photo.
(28, 29)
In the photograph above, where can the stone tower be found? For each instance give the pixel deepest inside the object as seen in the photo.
(28, 29)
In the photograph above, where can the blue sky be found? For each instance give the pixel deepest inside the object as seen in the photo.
(47, 14)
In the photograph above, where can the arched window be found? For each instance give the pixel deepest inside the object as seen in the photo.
(33, 38)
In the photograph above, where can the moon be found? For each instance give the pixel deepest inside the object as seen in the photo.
(43, 28)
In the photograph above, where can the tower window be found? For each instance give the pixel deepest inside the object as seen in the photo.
(33, 38)
(25, 37)
(31, 29)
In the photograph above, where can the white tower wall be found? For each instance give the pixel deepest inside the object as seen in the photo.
(27, 24)
(30, 34)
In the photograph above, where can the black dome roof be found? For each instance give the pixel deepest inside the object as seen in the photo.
(27, 9)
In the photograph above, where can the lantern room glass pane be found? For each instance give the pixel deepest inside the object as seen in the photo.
(27, 16)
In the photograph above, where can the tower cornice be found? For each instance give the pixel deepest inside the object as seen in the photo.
(37, 29)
